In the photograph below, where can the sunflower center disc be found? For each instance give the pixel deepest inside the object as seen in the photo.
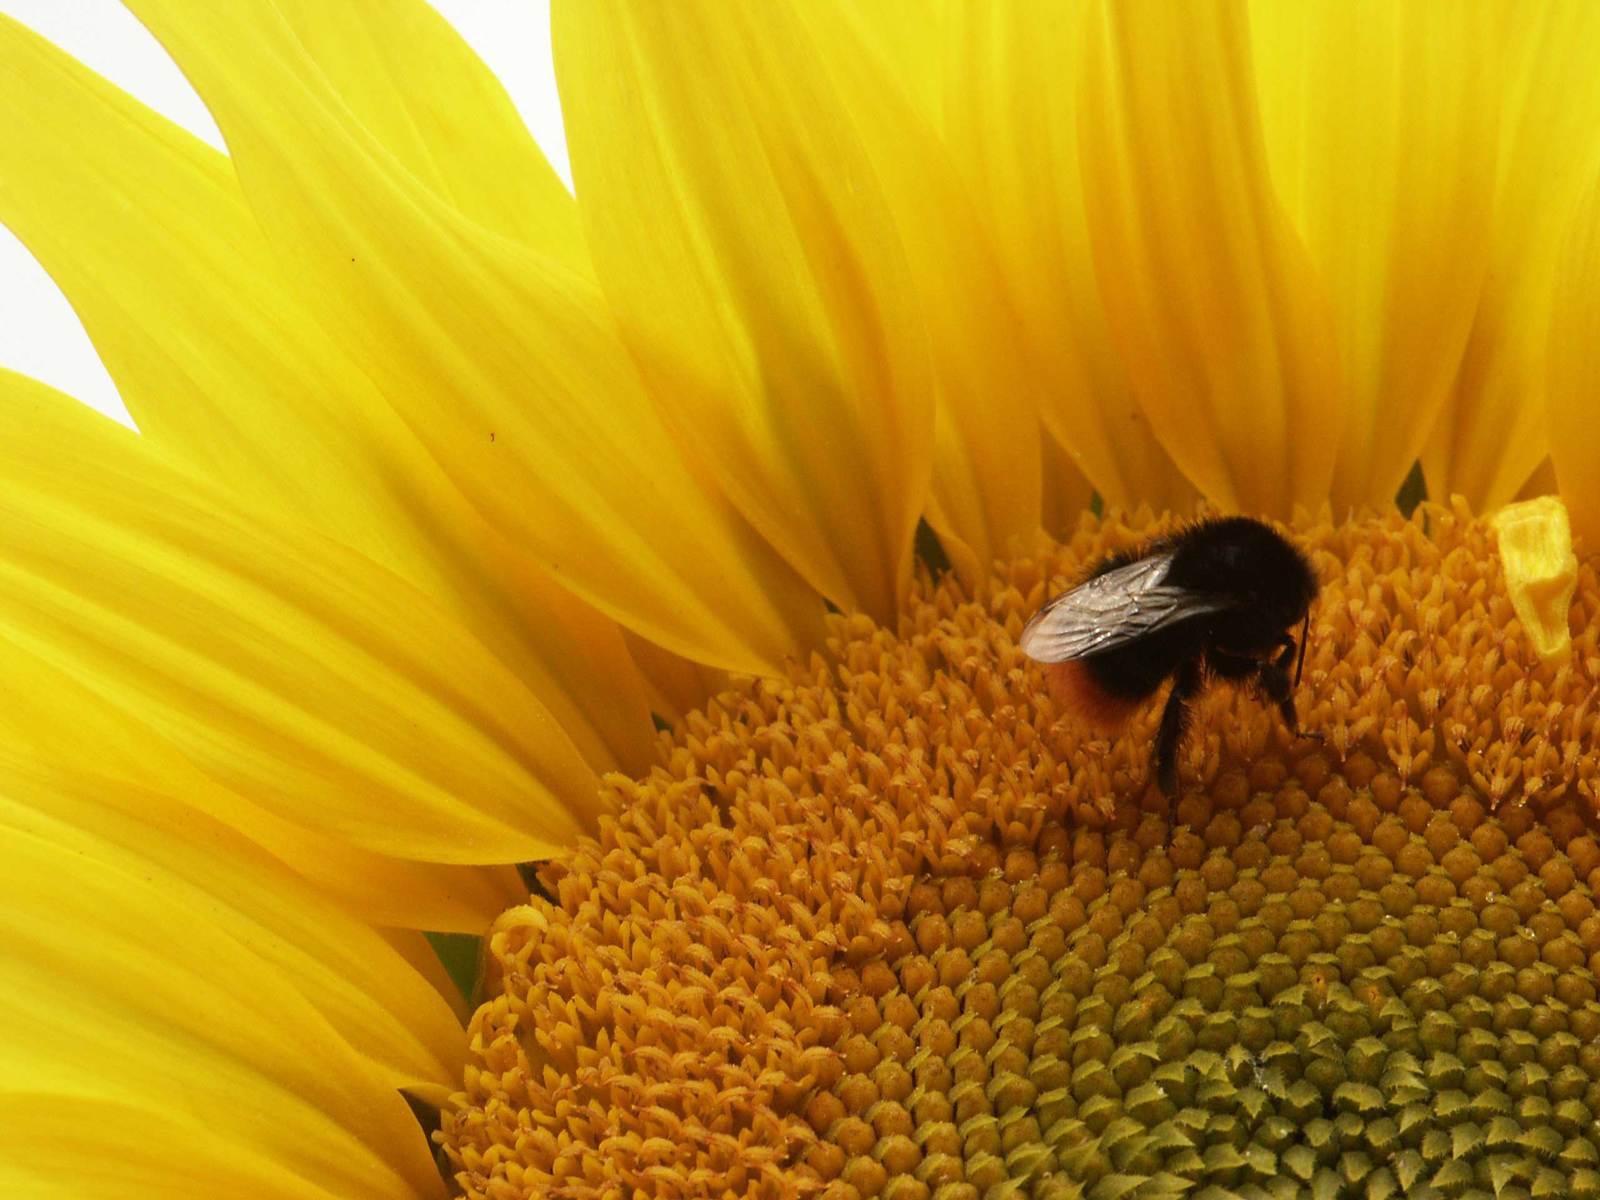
(894, 926)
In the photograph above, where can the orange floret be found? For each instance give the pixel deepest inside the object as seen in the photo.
(887, 927)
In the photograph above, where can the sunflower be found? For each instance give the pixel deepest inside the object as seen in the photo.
(635, 580)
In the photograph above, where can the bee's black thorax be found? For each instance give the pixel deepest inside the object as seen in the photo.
(1268, 585)
(1248, 562)
(1219, 599)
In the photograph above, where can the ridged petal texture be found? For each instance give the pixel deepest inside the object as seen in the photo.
(498, 354)
(1380, 124)
(149, 235)
(52, 717)
(281, 663)
(1007, 103)
(1209, 292)
(182, 1016)
(1272, 241)
(1492, 434)
(1573, 358)
(741, 230)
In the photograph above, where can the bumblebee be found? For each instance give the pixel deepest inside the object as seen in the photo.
(1216, 600)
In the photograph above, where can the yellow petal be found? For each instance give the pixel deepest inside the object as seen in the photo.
(1209, 293)
(287, 667)
(677, 686)
(1574, 368)
(1380, 129)
(914, 38)
(417, 951)
(52, 718)
(168, 1046)
(1491, 436)
(1010, 119)
(371, 996)
(986, 490)
(502, 361)
(410, 80)
(147, 233)
(1067, 494)
(740, 229)
(1542, 482)
(1541, 570)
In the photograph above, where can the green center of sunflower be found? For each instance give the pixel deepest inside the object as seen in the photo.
(894, 926)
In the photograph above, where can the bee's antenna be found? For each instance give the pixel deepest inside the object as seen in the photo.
(1300, 660)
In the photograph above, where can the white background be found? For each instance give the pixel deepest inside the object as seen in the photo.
(39, 334)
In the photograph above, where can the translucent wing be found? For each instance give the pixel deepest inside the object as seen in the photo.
(1112, 610)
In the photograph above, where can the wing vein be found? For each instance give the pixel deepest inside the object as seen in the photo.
(1112, 609)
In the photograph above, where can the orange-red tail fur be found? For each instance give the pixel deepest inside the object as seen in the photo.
(1073, 687)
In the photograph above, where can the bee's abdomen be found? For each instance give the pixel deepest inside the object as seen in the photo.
(1077, 687)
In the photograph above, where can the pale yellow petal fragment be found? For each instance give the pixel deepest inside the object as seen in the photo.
(502, 361)
(1574, 369)
(1010, 120)
(1380, 122)
(1541, 571)
(286, 666)
(1209, 293)
(1491, 435)
(741, 230)
(129, 1013)
(411, 81)
(147, 233)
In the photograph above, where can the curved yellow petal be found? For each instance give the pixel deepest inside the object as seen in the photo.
(1067, 493)
(134, 1019)
(503, 361)
(145, 230)
(985, 490)
(411, 82)
(289, 668)
(677, 686)
(120, 1145)
(371, 996)
(1490, 436)
(741, 231)
(1574, 368)
(416, 949)
(914, 38)
(50, 717)
(381, 889)
(1209, 293)
(1380, 130)
(1010, 119)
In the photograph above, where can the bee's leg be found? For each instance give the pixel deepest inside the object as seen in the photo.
(1274, 677)
(1271, 675)
(1287, 647)
(1174, 718)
